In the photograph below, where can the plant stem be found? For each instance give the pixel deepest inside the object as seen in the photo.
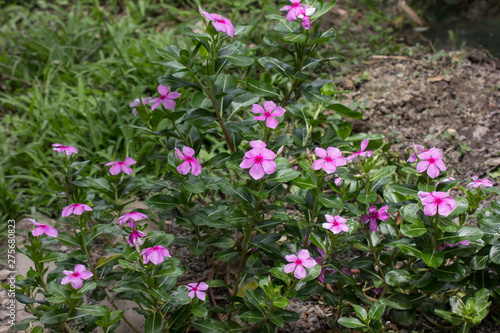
(374, 253)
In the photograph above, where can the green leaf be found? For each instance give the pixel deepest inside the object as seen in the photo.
(209, 326)
(282, 67)
(227, 255)
(331, 202)
(239, 60)
(495, 253)
(194, 185)
(345, 111)
(197, 247)
(479, 262)
(453, 273)
(171, 53)
(344, 130)
(361, 312)
(413, 229)
(304, 183)
(284, 175)
(351, 322)
(261, 89)
(221, 242)
(54, 317)
(176, 83)
(432, 257)
(281, 302)
(398, 277)
(53, 256)
(295, 38)
(377, 310)
(153, 322)
(371, 197)
(94, 310)
(251, 316)
(384, 172)
(464, 233)
(200, 311)
(323, 10)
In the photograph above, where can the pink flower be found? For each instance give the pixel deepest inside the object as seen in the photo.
(417, 149)
(198, 289)
(271, 110)
(76, 278)
(439, 202)
(118, 166)
(337, 180)
(362, 153)
(431, 162)
(336, 224)
(166, 97)
(43, 229)
(137, 102)
(331, 158)
(374, 215)
(76, 209)
(135, 238)
(298, 10)
(297, 264)
(220, 23)
(131, 217)
(260, 159)
(481, 183)
(156, 254)
(65, 149)
(190, 163)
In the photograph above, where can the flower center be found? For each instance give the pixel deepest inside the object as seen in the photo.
(194, 289)
(258, 159)
(438, 201)
(298, 262)
(267, 114)
(75, 275)
(335, 223)
(432, 160)
(328, 159)
(189, 158)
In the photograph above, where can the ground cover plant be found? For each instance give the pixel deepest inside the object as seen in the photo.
(263, 170)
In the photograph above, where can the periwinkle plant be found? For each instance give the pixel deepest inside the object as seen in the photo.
(271, 220)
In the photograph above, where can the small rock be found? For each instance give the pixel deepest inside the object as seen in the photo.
(479, 132)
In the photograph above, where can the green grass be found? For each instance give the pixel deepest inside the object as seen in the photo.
(69, 72)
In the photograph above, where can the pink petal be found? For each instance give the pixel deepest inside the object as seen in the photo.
(191, 294)
(188, 151)
(201, 295)
(173, 95)
(269, 106)
(202, 286)
(67, 272)
(115, 169)
(282, 9)
(303, 254)
(85, 275)
(67, 210)
(127, 170)
(340, 219)
(318, 164)
(422, 166)
(373, 225)
(169, 104)
(229, 28)
(195, 168)
(320, 152)
(219, 26)
(444, 209)
(37, 231)
(291, 258)
(111, 163)
(267, 154)
(52, 232)
(309, 262)
(184, 168)
(257, 144)
(306, 22)
(278, 112)
(256, 108)
(129, 161)
(156, 104)
(329, 167)
(327, 225)
(79, 268)
(136, 102)
(333, 152)
(78, 210)
(440, 164)
(290, 268)
(260, 118)
(364, 144)
(257, 172)
(163, 90)
(181, 155)
(246, 163)
(300, 272)
(77, 283)
(67, 279)
(430, 210)
(432, 171)
(156, 257)
(272, 123)
(269, 167)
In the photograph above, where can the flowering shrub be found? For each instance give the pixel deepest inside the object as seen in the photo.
(262, 233)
